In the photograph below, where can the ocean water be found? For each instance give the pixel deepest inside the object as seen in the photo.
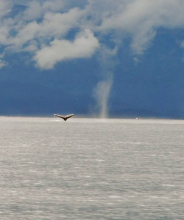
(114, 169)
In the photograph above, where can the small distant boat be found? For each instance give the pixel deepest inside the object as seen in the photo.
(64, 117)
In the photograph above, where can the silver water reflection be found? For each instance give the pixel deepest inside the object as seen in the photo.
(91, 169)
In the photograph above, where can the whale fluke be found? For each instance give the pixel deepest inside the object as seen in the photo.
(64, 117)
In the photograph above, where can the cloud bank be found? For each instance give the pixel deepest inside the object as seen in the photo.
(43, 27)
(83, 46)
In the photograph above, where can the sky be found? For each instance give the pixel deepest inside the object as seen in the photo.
(121, 58)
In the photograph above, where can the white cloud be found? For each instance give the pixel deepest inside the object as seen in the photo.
(5, 7)
(54, 5)
(58, 24)
(53, 25)
(83, 46)
(37, 9)
(34, 11)
(139, 19)
(47, 23)
(3, 63)
(27, 33)
(22, 2)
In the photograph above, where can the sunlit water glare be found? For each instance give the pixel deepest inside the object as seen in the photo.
(114, 169)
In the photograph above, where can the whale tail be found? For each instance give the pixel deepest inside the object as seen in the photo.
(64, 117)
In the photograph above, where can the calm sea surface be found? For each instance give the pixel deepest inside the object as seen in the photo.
(91, 169)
